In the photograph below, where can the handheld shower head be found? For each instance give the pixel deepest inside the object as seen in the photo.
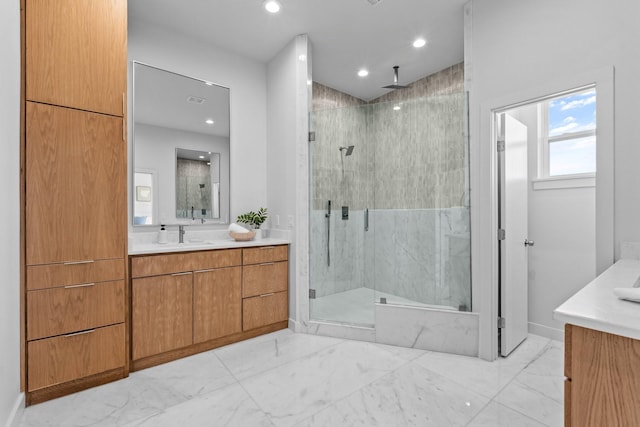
(349, 150)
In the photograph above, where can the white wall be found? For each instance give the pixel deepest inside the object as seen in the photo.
(10, 212)
(246, 79)
(288, 96)
(519, 44)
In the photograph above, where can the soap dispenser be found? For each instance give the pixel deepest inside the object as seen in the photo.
(162, 235)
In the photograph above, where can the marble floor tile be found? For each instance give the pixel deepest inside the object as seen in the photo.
(286, 379)
(546, 374)
(497, 415)
(192, 376)
(532, 403)
(113, 404)
(260, 354)
(409, 396)
(293, 392)
(486, 378)
(229, 406)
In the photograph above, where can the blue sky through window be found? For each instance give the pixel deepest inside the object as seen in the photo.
(569, 114)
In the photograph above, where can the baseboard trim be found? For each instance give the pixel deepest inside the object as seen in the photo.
(546, 331)
(16, 413)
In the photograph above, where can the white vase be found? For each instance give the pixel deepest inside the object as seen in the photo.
(258, 234)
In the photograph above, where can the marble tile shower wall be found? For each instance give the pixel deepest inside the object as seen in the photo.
(418, 254)
(421, 254)
(191, 174)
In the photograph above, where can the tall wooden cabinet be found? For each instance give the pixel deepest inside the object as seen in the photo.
(74, 201)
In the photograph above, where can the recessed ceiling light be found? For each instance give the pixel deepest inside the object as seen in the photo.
(396, 107)
(208, 83)
(419, 42)
(363, 73)
(302, 57)
(209, 121)
(201, 157)
(272, 6)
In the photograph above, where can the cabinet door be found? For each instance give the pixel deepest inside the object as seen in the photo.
(77, 53)
(605, 379)
(161, 314)
(76, 185)
(217, 303)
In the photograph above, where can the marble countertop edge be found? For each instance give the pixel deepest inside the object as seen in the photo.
(156, 248)
(596, 307)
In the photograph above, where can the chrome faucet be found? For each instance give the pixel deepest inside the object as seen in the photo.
(181, 234)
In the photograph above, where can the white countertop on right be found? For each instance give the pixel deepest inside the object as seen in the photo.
(596, 306)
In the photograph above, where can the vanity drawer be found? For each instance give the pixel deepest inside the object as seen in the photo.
(74, 308)
(264, 310)
(264, 254)
(154, 265)
(73, 273)
(265, 278)
(65, 358)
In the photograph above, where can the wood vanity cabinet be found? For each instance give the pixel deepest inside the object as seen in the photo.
(602, 378)
(74, 180)
(189, 302)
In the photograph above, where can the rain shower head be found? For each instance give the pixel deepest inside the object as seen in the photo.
(349, 150)
(395, 84)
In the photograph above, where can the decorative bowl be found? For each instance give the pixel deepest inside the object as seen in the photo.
(242, 237)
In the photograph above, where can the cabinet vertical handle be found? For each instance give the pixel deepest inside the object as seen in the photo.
(124, 120)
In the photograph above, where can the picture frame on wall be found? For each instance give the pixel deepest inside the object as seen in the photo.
(143, 193)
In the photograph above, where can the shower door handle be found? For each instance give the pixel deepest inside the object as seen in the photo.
(366, 219)
(328, 216)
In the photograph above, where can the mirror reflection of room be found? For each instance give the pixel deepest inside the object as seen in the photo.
(181, 149)
(197, 184)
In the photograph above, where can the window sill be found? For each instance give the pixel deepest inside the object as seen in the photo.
(569, 181)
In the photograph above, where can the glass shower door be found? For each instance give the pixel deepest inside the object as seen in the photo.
(340, 194)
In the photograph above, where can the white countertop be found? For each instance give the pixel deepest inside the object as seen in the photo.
(155, 248)
(596, 306)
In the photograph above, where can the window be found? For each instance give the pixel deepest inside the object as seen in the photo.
(568, 135)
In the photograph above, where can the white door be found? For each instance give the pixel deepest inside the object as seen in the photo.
(514, 222)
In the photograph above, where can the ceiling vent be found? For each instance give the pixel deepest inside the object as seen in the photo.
(195, 100)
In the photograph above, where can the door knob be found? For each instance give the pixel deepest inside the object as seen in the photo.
(528, 242)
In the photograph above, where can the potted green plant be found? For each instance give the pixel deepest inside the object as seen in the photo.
(254, 219)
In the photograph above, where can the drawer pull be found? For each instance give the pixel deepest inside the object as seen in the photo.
(79, 262)
(267, 295)
(267, 247)
(267, 264)
(181, 274)
(84, 285)
(79, 333)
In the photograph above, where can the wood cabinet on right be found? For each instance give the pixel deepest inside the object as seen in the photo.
(602, 384)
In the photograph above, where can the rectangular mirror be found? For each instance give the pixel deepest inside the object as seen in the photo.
(181, 146)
